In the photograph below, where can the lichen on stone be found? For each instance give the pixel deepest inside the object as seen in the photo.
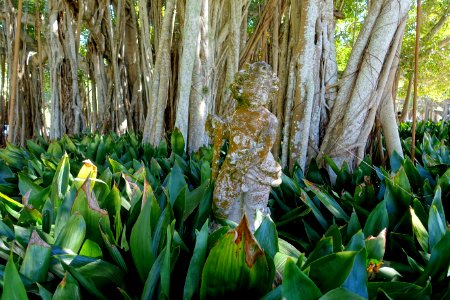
(249, 170)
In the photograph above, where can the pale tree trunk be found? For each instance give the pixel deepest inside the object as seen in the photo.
(363, 82)
(146, 57)
(96, 49)
(55, 63)
(41, 93)
(190, 43)
(283, 77)
(116, 37)
(134, 93)
(73, 116)
(226, 104)
(154, 124)
(303, 23)
(13, 115)
(201, 96)
(388, 118)
(405, 108)
(312, 75)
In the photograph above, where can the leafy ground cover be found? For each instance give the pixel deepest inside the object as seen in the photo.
(105, 217)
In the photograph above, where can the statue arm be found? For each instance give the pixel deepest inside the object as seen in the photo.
(258, 153)
(217, 129)
(266, 140)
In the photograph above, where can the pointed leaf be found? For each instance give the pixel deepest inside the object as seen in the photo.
(296, 285)
(198, 259)
(13, 287)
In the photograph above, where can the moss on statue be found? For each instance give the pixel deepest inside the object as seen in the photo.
(249, 170)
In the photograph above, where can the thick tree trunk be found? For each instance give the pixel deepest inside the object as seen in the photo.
(190, 41)
(405, 108)
(312, 71)
(358, 97)
(13, 115)
(73, 114)
(55, 63)
(154, 123)
(201, 96)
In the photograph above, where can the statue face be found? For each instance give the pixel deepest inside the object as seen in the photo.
(253, 84)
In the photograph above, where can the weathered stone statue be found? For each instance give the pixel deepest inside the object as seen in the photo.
(249, 171)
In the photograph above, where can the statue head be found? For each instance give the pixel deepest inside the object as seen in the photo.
(253, 84)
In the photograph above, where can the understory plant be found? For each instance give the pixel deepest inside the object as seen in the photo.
(102, 217)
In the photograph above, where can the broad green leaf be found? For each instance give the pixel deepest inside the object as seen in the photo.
(396, 161)
(288, 249)
(159, 232)
(331, 271)
(335, 233)
(324, 247)
(436, 219)
(198, 259)
(204, 207)
(305, 198)
(114, 252)
(67, 289)
(419, 230)
(205, 172)
(86, 204)
(444, 182)
(356, 281)
(353, 225)
(37, 259)
(113, 204)
(439, 260)
(141, 240)
(175, 183)
(193, 198)
(376, 246)
(396, 289)
(165, 268)
(328, 201)
(35, 148)
(72, 234)
(177, 142)
(267, 236)
(313, 236)
(397, 195)
(341, 293)
(236, 265)
(44, 293)
(377, 220)
(27, 185)
(413, 174)
(275, 294)
(13, 288)
(12, 158)
(91, 249)
(293, 215)
(102, 274)
(60, 181)
(5, 231)
(150, 286)
(296, 285)
(87, 283)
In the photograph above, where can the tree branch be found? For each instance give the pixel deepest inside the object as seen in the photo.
(438, 25)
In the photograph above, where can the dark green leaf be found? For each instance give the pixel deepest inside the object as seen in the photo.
(296, 285)
(323, 270)
(13, 288)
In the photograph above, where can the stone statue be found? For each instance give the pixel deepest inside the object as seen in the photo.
(249, 170)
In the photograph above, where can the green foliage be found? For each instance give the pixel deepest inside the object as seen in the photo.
(104, 216)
